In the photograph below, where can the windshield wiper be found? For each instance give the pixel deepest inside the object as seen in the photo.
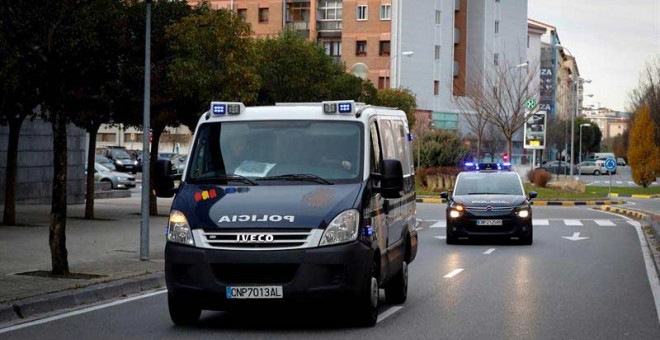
(227, 177)
(298, 177)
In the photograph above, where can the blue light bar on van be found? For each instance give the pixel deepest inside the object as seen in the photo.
(343, 107)
(222, 108)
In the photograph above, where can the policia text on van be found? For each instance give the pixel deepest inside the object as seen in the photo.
(292, 203)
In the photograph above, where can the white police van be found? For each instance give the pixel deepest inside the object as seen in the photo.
(289, 204)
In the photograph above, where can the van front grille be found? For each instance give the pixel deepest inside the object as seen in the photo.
(258, 239)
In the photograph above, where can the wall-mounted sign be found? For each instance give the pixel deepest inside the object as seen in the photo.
(535, 131)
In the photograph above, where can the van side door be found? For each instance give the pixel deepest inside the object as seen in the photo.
(394, 210)
(374, 208)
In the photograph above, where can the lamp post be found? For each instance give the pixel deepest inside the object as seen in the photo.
(389, 63)
(581, 126)
(144, 225)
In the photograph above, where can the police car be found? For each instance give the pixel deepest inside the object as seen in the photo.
(292, 204)
(487, 204)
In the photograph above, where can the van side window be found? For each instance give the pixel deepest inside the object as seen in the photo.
(387, 136)
(402, 146)
(375, 148)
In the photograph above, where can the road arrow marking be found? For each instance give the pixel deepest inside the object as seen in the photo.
(575, 237)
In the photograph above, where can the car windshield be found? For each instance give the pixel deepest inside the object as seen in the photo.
(101, 168)
(278, 151)
(496, 183)
(120, 154)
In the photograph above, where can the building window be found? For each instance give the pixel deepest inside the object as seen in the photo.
(384, 49)
(361, 48)
(528, 41)
(386, 12)
(332, 48)
(361, 13)
(297, 12)
(496, 59)
(436, 87)
(438, 17)
(263, 15)
(445, 120)
(497, 27)
(242, 12)
(330, 10)
(382, 82)
(437, 52)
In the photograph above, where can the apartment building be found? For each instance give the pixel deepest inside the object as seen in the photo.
(611, 123)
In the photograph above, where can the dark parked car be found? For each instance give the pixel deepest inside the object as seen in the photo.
(122, 160)
(556, 168)
(489, 204)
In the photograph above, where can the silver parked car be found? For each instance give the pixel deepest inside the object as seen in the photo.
(591, 168)
(119, 180)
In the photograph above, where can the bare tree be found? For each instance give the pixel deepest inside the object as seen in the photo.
(647, 94)
(497, 95)
(493, 141)
(475, 119)
(421, 126)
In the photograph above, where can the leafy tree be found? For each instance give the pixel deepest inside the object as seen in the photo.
(441, 148)
(213, 59)
(20, 71)
(591, 138)
(403, 99)
(643, 153)
(293, 69)
(348, 86)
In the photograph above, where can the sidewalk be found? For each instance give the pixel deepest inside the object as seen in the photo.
(107, 246)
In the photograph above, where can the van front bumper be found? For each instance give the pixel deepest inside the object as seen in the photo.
(325, 274)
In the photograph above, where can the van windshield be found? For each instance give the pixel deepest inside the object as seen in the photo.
(274, 151)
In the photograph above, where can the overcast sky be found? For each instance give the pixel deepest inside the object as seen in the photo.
(612, 41)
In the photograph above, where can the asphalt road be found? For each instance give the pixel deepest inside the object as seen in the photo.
(593, 287)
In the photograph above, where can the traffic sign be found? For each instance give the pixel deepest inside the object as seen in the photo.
(530, 104)
(610, 164)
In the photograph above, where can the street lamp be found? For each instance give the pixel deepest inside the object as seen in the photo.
(406, 54)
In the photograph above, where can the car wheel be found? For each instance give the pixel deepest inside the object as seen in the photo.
(396, 291)
(596, 172)
(451, 239)
(105, 180)
(182, 313)
(367, 303)
(527, 239)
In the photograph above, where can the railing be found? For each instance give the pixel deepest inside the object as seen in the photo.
(329, 25)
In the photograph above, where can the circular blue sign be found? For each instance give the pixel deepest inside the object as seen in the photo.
(610, 164)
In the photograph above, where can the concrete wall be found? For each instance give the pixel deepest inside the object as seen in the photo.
(35, 163)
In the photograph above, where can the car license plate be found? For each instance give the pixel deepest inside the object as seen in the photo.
(489, 222)
(254, 292)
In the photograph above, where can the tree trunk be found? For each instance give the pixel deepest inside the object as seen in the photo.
(57, 228)
(91, 159)
(153, 158)
(9, 214)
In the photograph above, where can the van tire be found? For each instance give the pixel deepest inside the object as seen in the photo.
(366, 309)
(396, 290)
(182, 313)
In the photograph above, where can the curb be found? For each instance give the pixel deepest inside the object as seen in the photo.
(13, 311)
(576, 203)
(628, 212)
(635, 196)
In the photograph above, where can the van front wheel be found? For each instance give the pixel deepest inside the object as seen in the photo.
(366, 311)
(182, 314)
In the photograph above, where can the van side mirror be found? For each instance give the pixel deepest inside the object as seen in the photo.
(391, 178)
(163, 179)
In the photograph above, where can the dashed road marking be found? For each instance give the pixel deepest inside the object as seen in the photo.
(540, 222)
(489, 251)
(441, 237)
(439, 224)
(384, 315)
(573, 222)
(605, 223)
(453, 273)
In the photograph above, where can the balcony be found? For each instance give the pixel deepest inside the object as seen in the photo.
(329, 26)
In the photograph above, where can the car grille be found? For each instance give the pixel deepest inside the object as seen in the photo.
(258, 239)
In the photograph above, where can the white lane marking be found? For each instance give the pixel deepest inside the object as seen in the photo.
(650, 267)
(439, 224)
(540, 222)
(441, 237)
(453, 273)
(489, 251)
(635, 224)
(382, 316)
(605, 223)
(575, 237)
(572, 222)
(80, 311)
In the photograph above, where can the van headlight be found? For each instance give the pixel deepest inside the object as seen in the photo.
(342, 229)
(178, 229)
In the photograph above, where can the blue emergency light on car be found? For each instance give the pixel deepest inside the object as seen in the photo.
(222, 108)
(344, 107)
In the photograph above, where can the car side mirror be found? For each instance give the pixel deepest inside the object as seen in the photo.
(444, 195)
(391, 178)
(163, 179)
(532, 194)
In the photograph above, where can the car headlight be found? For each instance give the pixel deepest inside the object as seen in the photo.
(178, 229)
(523, 213)
(342, 229)
(119, 161)
(456, 211)
(122, 178)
